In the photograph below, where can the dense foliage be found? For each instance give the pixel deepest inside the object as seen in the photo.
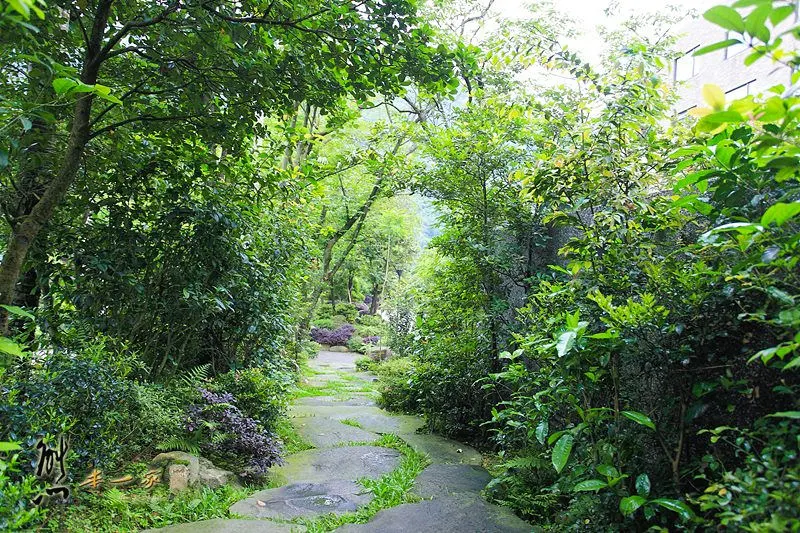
(194, 191)
(612, 301)
(172, 175)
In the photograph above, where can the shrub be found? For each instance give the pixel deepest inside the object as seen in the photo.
(16, 492)
(337, 337)
(349, 311)
(363, 309)
(325, 323)
(232, 439)
(371, 339)
(356, 344)
(82, 396)
(259, 395)
(397, 385)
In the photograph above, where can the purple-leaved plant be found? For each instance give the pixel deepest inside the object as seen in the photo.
(244, 438)
(336, 337)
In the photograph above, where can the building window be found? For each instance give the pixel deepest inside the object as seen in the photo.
(685, 66)
(739, 92)
(735, 49)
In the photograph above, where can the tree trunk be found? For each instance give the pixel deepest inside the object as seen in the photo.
(24, 233)
(376, 298)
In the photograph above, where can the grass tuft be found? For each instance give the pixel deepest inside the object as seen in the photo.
(390, 490)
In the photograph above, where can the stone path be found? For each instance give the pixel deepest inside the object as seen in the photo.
(323, 480)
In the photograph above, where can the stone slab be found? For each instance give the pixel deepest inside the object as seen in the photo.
(369, 417)
(334, 360)
(357, 400)
(348, 463)
(327, 433)
(442, 450)
(442, 480)
(459, 513)
(230, 525)
(304, 500)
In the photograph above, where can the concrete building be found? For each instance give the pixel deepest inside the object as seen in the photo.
(724, 68)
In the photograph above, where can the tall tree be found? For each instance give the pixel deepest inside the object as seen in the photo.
(209, 66)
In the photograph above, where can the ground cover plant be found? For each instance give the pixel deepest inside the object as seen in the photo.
(599, 294)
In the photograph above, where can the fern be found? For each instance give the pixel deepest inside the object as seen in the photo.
(196, 376)
(180, 444)
(523, 463)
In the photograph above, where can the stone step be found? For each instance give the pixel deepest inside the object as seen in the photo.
(304, 500)
(457, 513)
(230, 525)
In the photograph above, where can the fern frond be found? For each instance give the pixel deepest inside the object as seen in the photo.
(194, 377)
(178, 444)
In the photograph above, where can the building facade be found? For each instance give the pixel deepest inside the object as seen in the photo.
(724, 68)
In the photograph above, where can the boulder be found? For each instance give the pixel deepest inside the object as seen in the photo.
(183, 470)
(379, 354)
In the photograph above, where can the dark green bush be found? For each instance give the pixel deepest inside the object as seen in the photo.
(260, 393)
(397, 385)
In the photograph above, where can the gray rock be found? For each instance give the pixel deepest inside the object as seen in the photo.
(334, 360)
(441, 450)
(213, 477)
(348, 463)
(183, 470)
(326, 433)
(229, 525)
(458, 513)
(329, 401)
(306, 500)
(442, 480)
(179, 458)
(178, 477)
(379, 354)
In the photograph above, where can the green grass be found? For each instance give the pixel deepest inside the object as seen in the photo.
(116, 510)
(390, 490)
(351, 422)
(293, 442)
(341, 388)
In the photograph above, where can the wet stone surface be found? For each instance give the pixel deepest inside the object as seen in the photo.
(327, 433)
(348, 463)
(458, 513)
(306, 500)
(443, 480)
(229, 525)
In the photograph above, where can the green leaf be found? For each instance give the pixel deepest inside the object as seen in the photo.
(629, 505)
(714, 120)
(561, 451)
(608, 470)
(795, 415)
(674, 505)
(779, 14)
(21, 7)
(714, 96)
(10, 347)
(716, 46)
(565, 342)
(639, 418)
(14, 310)
(63, 85)
(754, 23)
(9, 446)
(541, 431)
(725, 17)
(643, 485)
(780, 213)
(589, 485)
